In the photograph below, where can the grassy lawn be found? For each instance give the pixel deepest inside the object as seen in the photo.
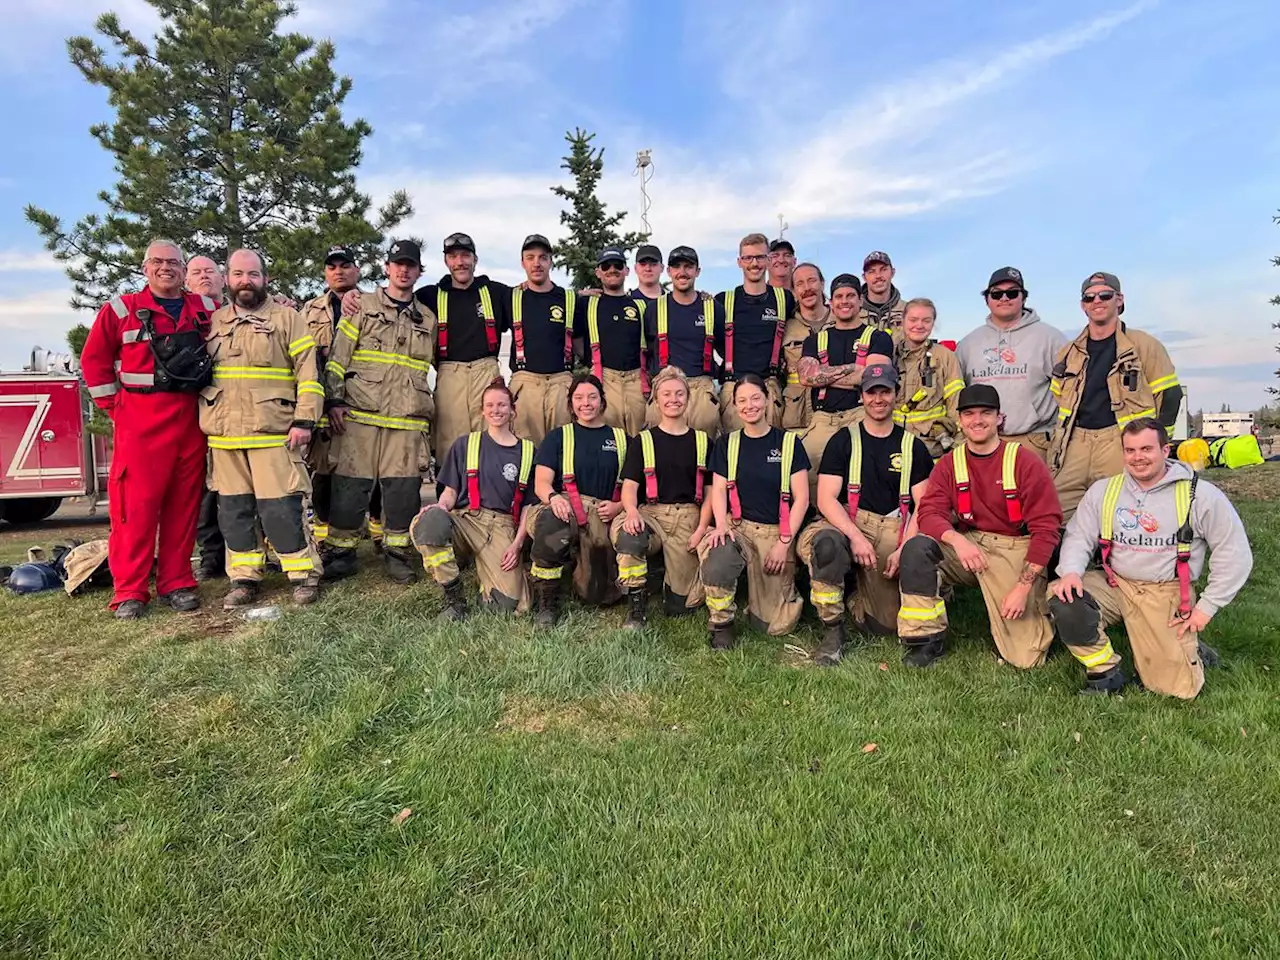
(200, 787)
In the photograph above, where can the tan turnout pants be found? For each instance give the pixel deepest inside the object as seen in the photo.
(459, 396)
(364, 455)
(1037, 442)
(485, 535)
(1167, 664)
(822, 427)
(670, 525)
(542, 403)
(260, 492)
(797, 404)
(1091, 455)
(773, 604)
(702, 413)
(1023, 642)
(624, 400)
(874, 604)
(729, 421)
(595, 565)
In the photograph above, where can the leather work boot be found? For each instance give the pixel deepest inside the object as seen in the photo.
(1109, 681)
(923, 654)
(546, 599)
(209, 571)
(243, 593)
(832, 646)
(638, 598)
(183, 601)
(131, 610)
(400, 566)
(339, 562)
(455, 602)
(306, 591)
(722, 636)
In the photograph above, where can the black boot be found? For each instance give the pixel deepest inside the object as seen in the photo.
(339, 562)
(923, 654)
(1109, 681)
(832, 646)
(400, 566)
(722, 636)
(1208, 655)
(546, 598)
(455, 602)
(639, 599)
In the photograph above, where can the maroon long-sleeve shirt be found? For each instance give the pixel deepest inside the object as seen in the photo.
(1041, 511)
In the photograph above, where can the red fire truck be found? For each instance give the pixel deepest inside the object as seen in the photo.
(47, 452)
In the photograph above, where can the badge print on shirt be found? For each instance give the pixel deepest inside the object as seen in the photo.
(1000, 353)
(510, 471)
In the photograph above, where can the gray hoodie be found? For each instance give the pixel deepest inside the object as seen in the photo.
(1144, 545)
(1019, 363)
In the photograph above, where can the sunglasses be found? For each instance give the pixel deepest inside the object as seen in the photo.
(613, 266)
(1104, 296)
(1004, 294)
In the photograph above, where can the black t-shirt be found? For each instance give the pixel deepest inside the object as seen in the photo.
(755, 325)
(499, 472)
(171, 305)
(842, 348)
(544, 327)
(676, 463)
(595, 460)
(686, 334)
(881, 467)
(619, 319)
(759, 472)
(468, 340)
(1095, 404)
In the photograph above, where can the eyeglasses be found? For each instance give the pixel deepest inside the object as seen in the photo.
(1004, 294)
(1104, 296)
(162, 262)
(753, 258)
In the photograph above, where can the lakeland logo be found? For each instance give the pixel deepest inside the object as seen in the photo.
(999, 354)
(775, 455)
(1135, 528)
(998, 371)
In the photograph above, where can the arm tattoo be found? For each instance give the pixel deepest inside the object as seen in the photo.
(1029, 573)
(814, 374)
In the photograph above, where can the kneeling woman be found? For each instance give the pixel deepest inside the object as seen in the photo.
(759, 495)
(665, 510)
(485, 483)
(578, 481)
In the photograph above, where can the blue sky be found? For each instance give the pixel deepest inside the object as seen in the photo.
(1061, 137)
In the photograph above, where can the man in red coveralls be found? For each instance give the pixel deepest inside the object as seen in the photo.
(990, 518)
(145, 363)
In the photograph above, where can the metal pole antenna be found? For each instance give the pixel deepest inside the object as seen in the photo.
(644, 169)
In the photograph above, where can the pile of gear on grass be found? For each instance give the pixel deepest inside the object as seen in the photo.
(76, 567)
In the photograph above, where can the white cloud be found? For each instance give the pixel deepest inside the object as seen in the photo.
(18, 261)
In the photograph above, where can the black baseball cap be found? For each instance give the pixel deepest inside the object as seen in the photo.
(978, 395)
(876, 256)
(536, 240)
(1005, 275)
(647, 252)
(405, 251)
(682, 254)
(1101, 279)
(339, 253)
(459, 241)
(846, 280)
(880, 375)
(611, 255)
(781, 244)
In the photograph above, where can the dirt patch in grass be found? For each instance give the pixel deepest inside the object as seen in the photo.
(604, 718)
(1260, 482)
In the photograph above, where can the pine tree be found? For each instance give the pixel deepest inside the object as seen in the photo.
(591, 228)
(227, 133)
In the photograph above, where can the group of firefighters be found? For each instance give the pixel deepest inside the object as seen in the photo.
(785, 420)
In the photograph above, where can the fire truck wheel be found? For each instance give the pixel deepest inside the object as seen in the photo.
(30, 510)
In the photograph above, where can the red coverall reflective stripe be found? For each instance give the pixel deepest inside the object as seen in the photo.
(158, 464)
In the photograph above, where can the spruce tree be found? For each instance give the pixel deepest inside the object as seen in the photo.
(227, 133)
(591, 228)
